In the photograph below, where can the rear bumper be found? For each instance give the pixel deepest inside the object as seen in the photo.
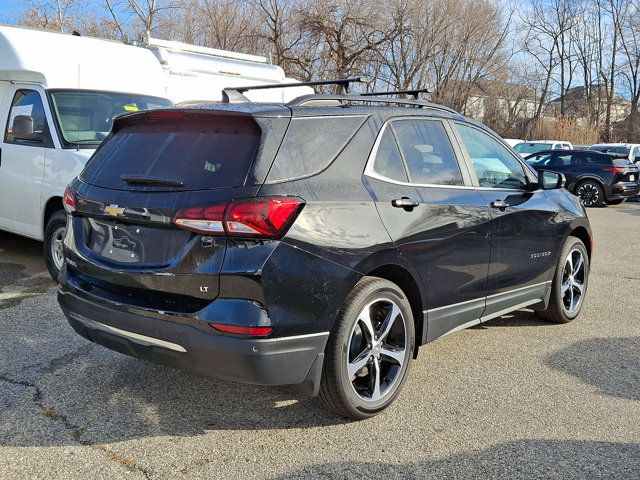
(623, 190)
(179, 342)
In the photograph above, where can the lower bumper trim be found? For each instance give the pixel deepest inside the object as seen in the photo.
(134, 337)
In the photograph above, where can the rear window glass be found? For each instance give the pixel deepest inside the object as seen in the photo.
(311, 144)
(202, 153)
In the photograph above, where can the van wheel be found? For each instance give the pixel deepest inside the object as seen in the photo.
(369, 350)
(569, 285)
(590, 193)
(53, 243)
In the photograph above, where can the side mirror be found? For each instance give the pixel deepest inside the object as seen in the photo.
(24, 129)
(548, 180)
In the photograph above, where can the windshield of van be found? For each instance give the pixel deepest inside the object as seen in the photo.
(526, 148)
(84, 117)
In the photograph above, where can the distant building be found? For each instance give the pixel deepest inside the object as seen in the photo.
(492, 99)
(578, 106)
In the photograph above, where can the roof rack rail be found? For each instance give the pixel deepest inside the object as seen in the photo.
(235, 94)
(414, 93)
(305, 99)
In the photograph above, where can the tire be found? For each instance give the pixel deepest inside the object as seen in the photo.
(557, 311)
(352, 359)
(53, 237)
(616, 202)
(590, 193)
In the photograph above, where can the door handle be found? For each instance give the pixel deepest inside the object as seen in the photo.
(500, 204)
(405, 202)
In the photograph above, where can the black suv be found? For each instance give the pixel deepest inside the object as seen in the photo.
(594, 177)
(319, 242)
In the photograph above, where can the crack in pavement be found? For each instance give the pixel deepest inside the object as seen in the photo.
(67, 359)
(613, 275)
(75, 431)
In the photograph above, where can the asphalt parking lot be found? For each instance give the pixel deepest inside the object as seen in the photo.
(515, 398)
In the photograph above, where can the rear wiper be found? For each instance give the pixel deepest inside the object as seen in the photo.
(149, 180)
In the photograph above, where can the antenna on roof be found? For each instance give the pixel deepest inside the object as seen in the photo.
(414, 93)
(235, 94)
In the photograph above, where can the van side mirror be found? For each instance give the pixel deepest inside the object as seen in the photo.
(24, 129)
(548, 180)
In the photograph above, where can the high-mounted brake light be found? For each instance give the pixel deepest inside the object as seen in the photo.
(160, 115)
(69, 201)
(239, 330)
(261, 217)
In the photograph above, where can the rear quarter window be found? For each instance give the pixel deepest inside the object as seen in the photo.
(311, 144)
(202, 153)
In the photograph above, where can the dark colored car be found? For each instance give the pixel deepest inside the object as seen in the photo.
(594, 177)
(319, 242)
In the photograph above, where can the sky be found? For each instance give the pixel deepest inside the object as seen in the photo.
(9, 9)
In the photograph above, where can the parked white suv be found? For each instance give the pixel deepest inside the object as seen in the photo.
(535, 146)
(630, 150)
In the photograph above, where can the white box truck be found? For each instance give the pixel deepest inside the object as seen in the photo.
(59, 94)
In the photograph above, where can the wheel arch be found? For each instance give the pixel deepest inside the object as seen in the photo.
(583, 234)
(408, 283)
(53, 205)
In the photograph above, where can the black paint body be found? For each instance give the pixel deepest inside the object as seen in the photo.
(458, 259)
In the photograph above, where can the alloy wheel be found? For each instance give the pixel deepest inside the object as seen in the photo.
(57, 247)
(573, 282)
(589, 194)
(377, 350)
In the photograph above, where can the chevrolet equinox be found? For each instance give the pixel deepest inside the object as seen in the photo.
(320, 242)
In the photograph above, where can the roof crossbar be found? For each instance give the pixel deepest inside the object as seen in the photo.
(235, 94)
(414, 93)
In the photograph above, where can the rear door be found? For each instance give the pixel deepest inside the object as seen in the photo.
(26, 134)
(525, 243)
(439, 222)
(123, 239)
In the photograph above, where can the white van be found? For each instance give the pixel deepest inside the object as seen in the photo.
(59, 94)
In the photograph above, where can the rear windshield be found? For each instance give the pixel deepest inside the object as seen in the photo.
(620, 150)
(200, 154)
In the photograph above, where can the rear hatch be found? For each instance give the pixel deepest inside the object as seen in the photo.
(151, 167)
(624, 171)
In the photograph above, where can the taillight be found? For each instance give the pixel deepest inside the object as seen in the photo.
(201, 219)
(262, 217)
(616, 170)
(69, 201)
(239, 330)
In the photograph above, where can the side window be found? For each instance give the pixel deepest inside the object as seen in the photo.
(595, 160)
(27, 122)
(388, 161)
(427, 152)
(311, 144)
(495, 167)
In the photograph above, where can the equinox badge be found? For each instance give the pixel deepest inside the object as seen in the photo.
(114, 210)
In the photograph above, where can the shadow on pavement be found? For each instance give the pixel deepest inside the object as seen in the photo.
(523, 459)
(103, 397)
(610, 364)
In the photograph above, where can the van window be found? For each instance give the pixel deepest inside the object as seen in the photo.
(27, 122)
(311, 144)
(427, 152)
(494, 165)
(388, 161)
(200, 153)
